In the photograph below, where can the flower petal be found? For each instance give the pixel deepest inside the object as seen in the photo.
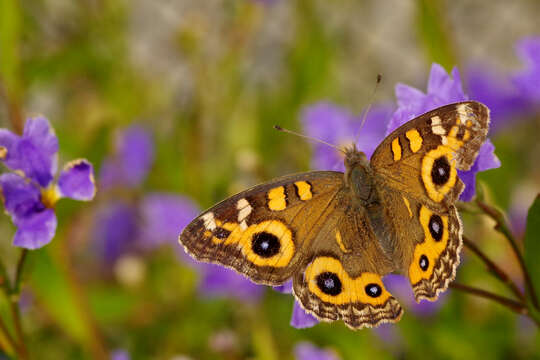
(116, 230)
(8, 141)
(120, 354)
(506, 104)
(136, 154)
(286, 288)
(300, 319)
(486, 160)
(37, 151)
(373, 132)
(337, 125)
(307, 351)
(21, 198)
(76, 181)
(220, 281)
(528, 79)
(407, 95)
(400, 287)
(333, 124)
(35, 230)
(164, 216)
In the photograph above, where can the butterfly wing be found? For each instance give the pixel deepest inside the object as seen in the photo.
(341, 277)
(416, 172)
(264, 232)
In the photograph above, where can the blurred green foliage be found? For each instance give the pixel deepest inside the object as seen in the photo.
(74, 61)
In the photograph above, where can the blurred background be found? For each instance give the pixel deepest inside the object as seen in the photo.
(174, 101)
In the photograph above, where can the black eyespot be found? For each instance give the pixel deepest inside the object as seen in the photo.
(221, 233)
(440, 172)
(329, 283)
(424, 262)
(373, 290)
(265, 244)
(436, 228)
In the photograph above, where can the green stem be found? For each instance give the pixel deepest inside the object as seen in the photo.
(13, 298)
(16, 289)
(513, 305)
(503, 228)
(494, 268)
(12, 291)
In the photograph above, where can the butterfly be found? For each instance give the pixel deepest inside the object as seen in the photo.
(337, 234)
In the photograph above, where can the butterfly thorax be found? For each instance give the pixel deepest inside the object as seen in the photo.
(359, 177)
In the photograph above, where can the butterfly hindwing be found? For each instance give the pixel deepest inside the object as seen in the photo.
(416, 171)
(262, 232)
(342, 277)
(425, 242)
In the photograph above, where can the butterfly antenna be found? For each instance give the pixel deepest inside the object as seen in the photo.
(364, 116)
(279, 128)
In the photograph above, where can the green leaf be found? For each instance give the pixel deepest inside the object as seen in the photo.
(532, 243)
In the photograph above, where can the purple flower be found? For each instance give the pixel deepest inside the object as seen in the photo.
(442, 90)
(400, 287)
(528, 79)
(116, 230)
(390, 334)
(164, 216)
(120, 354)
(339, 126)
(220, 281)
(300, 319)
(129, 166)
(499, 94)
(29, 192)
(307, 351)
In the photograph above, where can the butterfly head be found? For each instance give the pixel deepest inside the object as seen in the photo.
(354, 157)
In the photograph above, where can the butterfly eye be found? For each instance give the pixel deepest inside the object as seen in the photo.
(440, 172)
(265, 244)
(329, 283)
(424, 262)
(436, 227)
(373, 290)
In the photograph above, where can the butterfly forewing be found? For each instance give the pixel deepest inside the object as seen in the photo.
(264, 231)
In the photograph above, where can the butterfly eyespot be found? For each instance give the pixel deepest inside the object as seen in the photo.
(440, 172)
(436, 227)
(423, 263)
(265, 244)
(329, 283)
(373, 290)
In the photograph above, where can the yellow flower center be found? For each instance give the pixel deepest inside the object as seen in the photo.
(50, 196)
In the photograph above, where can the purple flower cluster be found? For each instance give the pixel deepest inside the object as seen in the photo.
(30, 190)
(511, 97)
(155, 219)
